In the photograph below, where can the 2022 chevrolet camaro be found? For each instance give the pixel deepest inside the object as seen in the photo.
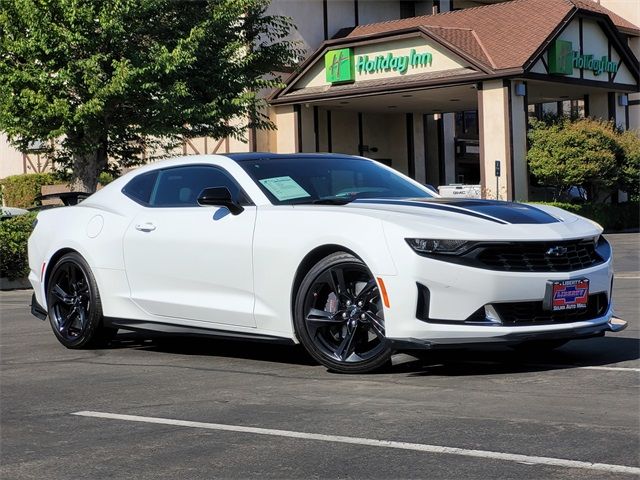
(340, 253)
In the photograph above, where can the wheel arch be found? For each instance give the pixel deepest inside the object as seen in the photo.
(52, 262)
(310, 259)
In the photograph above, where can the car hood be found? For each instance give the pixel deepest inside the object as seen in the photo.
(482, 219)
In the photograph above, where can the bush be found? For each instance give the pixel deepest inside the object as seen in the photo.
(14, 234)
(20, 190)
(612, 216)
(588, 153)
(105, 178)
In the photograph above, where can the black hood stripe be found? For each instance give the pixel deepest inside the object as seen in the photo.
(434, 206)
(504, 213)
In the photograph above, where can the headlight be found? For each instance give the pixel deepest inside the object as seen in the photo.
(445, 247)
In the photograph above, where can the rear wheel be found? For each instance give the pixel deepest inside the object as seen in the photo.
(75, 310)
(339, 316)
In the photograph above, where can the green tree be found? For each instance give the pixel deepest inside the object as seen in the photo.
(588, 153)
(109, 79)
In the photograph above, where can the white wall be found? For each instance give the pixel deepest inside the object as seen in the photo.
(10, 158)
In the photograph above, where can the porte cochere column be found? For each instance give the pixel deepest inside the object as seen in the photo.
(503, 137)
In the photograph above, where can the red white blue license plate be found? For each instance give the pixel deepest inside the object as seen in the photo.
(569, 294)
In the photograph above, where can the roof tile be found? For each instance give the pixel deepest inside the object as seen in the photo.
(488, 33)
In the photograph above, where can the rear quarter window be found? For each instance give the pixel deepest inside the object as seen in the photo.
(140, 187)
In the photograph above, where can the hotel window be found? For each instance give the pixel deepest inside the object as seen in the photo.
(407, 9)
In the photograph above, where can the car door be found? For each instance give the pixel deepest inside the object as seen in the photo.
(186, 261)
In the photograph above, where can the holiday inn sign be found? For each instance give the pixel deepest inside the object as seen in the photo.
(341, 65)
(563, 59)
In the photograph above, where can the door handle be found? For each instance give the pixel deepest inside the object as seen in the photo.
(146, 227)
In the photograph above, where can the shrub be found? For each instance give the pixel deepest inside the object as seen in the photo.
(630, 175)
(105, 178)
(612, 216)
(20, 190)
(589, 153)
(14, 234)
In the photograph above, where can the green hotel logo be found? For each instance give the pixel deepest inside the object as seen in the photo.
(563, 59)
(341, 65)
(393, 63)
(338, 65)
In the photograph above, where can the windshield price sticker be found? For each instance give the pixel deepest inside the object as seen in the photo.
(284, 188)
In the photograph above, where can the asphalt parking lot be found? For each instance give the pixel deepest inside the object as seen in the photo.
(219, 409)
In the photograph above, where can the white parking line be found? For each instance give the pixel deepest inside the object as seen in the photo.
(553, 365)
(613, 369)
(419, 447)
(634, 275)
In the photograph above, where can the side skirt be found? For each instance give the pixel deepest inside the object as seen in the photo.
(182, 330)
(37, 310)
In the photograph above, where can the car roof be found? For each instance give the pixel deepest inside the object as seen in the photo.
(252, 156)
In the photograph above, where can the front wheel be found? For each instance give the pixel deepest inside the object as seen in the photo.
(75, 310)
(339, 316)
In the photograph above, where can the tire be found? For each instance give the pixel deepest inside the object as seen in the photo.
(539, 346)
(339, 318)
(74, 306)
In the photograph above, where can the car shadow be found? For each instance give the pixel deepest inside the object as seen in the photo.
(599, 352)
(603, 351)
(214, 347)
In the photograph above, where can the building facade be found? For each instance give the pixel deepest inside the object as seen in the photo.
(441, 90)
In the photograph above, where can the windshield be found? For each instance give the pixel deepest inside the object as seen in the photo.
(331, 180)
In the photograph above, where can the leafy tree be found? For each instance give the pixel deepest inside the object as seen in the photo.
(110, 79)
(589, 153)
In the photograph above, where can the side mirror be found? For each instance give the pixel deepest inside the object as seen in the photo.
(220, 197)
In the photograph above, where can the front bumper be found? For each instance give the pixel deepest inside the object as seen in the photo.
(456, 293)
(516, 335)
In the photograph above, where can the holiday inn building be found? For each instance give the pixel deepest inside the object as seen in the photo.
(441, 90)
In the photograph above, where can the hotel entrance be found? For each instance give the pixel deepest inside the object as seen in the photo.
(447, 100)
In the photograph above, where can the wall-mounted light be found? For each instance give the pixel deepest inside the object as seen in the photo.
(521, 89)
(623, 100)
(367, 148)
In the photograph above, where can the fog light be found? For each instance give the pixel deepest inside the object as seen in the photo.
(491, 315)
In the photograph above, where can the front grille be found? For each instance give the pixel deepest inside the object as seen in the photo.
(532, 313)
(534, 257)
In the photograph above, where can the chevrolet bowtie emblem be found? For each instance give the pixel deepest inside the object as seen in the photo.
(557, 251)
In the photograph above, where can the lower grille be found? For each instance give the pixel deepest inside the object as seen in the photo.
(532, 313)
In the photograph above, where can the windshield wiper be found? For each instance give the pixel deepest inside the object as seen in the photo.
(333, 201)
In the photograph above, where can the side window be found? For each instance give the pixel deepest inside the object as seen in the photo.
(139, 189)
(180, 187)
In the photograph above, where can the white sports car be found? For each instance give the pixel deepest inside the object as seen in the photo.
(340, 253)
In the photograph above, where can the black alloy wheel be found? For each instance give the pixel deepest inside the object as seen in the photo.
(339, 315)
(75, 310)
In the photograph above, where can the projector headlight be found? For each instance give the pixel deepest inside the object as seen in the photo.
(445, 247)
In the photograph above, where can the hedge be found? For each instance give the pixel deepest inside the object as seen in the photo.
(612, 216)
(14, 234)
(20, 190)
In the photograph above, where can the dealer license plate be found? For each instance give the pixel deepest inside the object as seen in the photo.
(569, 294)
